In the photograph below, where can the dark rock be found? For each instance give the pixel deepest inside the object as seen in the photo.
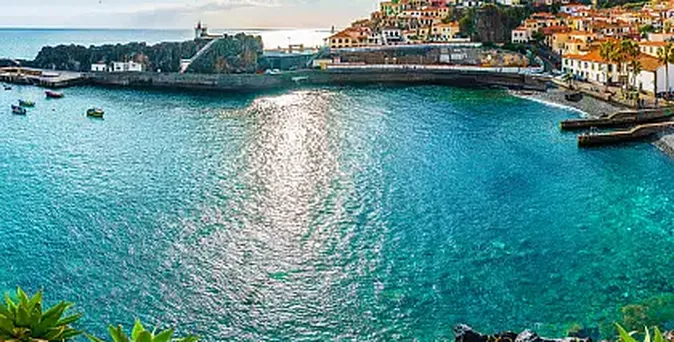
(464, 333)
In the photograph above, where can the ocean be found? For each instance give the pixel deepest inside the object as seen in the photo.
(353, 213)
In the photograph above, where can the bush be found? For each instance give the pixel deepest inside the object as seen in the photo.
(139, 334)
(24, 320)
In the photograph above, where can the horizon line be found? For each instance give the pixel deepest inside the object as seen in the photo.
(2, 27)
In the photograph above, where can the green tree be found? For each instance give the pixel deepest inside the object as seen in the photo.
(645, 29)
(607, 52)
(666, 56)
(23, 320)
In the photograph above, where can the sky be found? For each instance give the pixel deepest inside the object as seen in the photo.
(183, 13)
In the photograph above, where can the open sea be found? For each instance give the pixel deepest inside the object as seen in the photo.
(352, 213)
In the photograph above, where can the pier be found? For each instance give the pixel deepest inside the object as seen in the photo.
(618, 119)
(42, 78)
(636, 133)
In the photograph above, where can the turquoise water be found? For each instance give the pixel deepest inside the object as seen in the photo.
(368, 213)
(26, 43)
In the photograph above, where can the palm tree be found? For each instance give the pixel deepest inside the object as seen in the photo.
(635, 68)
(626, 51)
(607, 52)
(666, 56)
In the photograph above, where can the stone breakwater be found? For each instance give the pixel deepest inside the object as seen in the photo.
(248, 82)
(591, 107)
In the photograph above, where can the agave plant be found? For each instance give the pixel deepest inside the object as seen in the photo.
(24, 321)
(139, 334)
(628, 336)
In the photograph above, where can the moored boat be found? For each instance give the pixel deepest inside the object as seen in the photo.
(53, 95)
(26, 103)
(18, 110)
(95, 112)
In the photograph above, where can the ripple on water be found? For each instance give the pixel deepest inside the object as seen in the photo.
(368, 213)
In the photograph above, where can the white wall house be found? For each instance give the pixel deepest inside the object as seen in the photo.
(99, 67)
(592, 68)
(520, 35)
(126, 67)
(652, 72)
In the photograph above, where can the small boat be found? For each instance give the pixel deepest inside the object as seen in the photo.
(7, 87)
(574, 97)
(25, 103)
(53, 95)
(18, 110)
(95, 112)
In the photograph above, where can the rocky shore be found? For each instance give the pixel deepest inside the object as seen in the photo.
(464, 333)
(589, 106)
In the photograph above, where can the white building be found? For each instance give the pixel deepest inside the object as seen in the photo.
(126, 67)
(99, 67)
(573, 8)
(520, 35)
(591, 67)
(391, 35)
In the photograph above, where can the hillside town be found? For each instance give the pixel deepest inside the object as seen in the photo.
(627, 47)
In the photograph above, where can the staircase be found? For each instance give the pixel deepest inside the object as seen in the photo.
(184, 67)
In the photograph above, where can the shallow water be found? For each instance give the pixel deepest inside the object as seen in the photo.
(369, 213)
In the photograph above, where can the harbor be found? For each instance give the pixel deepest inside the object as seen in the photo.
(41, 77)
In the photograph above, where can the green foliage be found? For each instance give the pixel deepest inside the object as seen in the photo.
(625, 336)
(236, 54)
(163, 56)
(538, 36)
(24, 320)
(492, 23)
(648, 28)
(139, 334)
(652, 312)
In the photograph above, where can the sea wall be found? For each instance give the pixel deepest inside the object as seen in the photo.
(248, 82)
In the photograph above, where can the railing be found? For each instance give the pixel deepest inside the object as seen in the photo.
(506, 70)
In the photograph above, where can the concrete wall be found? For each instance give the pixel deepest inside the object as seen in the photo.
(248, 82)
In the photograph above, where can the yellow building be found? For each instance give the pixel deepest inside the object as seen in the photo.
(444, 32)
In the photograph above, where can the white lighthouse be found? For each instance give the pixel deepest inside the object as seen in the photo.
(200, 31)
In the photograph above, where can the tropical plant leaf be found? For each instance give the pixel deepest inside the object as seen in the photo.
(188, 339)
(164, 336)
(54, 333)
(93, 338)
(137, 329)
(647, 335)
(117, 334)
(624, 335)
(69, 320)
(144, 336)
(22, 317)
(657, 335)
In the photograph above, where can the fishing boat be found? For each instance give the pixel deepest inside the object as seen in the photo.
(574, 97)
(95, 112)
(53, 95)
(26, 103)
(18, 110)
